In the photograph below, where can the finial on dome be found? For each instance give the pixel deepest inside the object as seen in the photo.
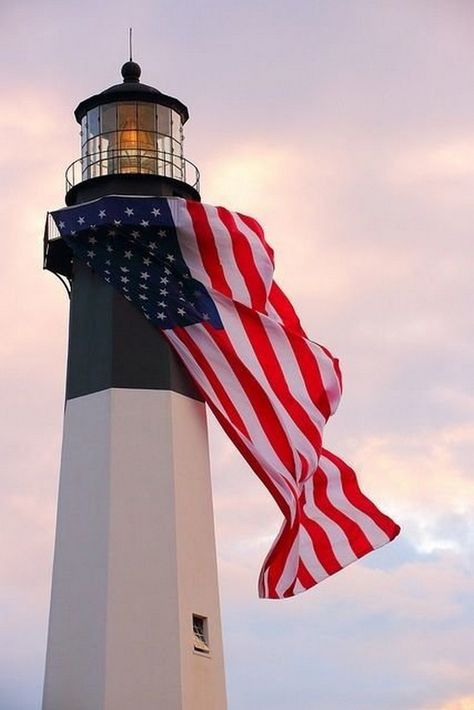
(131, 71)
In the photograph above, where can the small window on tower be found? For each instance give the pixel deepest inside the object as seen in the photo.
(200, 634)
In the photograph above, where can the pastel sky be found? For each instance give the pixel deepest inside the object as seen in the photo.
(347, 128)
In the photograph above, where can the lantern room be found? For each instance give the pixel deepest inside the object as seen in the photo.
(131, 129)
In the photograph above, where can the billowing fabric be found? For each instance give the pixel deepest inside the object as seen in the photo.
(204, 276)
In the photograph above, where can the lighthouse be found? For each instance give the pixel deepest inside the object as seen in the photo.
(134, 619)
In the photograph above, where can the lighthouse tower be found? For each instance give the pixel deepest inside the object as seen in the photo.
(134, 621)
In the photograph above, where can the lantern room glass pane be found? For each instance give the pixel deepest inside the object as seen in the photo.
(164, 120)
(108, 118)
(146, 117)
(127, 116)
(84, 130)
(176, 121)
(91, 148)
(92, 123)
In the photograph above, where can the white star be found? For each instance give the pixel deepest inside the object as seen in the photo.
(161, 316)
(143, 297)
(145, 223)
(144, 286)
(127, 297)
(124, 269)
(205, 316)
(92, 240)
(162, 233)
(109, 248)
(128, 255)
(144, 275)
(163, 292)
(147, 261)
(108, 262)
(124, 279)
(61, 225)
(152, 245)
(117, 222)
(146, 316)
(107, 271)
(93, 227)
(164, 280)
(181, 311)
(170, 258)
(73, 232)
(129, 211)
(135, 234)
(102, 214)
(107, 279)
(167, 271)
(81, 220)
(111, 233)
(91, 254)
(155, 212)
(162, 304)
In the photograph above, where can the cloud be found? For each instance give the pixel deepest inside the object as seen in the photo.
(464, 703)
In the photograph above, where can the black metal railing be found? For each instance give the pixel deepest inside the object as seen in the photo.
(140, 161)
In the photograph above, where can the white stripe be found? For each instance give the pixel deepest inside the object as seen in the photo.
(237, 334)
(280, 341)
(336, 495)
(260, 256)
(240, 398)
(309, 556)
(339, 541)
(298, 588)
(258, 445)
(329, 377)
(188, 244)
(232, 273)
(290, 569)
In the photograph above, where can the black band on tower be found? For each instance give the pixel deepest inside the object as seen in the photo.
(111, 344)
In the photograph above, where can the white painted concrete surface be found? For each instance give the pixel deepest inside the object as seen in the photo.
(134, 558)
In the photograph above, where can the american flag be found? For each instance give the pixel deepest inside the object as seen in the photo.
(204, 276)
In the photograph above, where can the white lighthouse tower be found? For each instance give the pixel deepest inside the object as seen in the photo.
(134, 621)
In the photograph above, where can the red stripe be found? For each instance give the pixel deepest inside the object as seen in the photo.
(321, 542)
(263, 349)
(226, 402)
(207, 248)
(245, 261)
(359, 500)
(284, 309)
(306, 579)
(311, 374)
(276, 560)
(287, 313)
(254, 226)
(258, 398)
(356, 537)
(251, 460)
(233, 417)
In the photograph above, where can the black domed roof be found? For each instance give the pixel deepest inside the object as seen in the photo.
(131, 90)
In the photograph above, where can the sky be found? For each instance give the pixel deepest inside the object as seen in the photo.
(347, 129)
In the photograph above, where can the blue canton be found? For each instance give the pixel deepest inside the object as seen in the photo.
(131, 243)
